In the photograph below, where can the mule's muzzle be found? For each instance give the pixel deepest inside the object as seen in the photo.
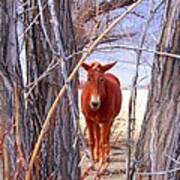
(95, 102)
(95, 105)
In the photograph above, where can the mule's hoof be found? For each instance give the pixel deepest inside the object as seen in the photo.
(88, 169)
(96, 160)
(102, 168)
(97, 177)
(105, 166)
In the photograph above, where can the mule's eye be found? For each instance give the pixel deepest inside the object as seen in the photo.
(89, 79)
(101, 79)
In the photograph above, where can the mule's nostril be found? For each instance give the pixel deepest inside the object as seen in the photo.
(95, 104)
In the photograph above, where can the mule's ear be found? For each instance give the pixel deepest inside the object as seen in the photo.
(107, 66)
(85, 66)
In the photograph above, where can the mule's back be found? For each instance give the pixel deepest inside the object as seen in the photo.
(114, 94)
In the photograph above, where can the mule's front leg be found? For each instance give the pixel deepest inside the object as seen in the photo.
(91, 142)
(91, 139)
(104, 143)
(97, 142)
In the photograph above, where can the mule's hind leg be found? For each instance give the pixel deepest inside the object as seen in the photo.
(103, 142)
(108, 148)
(105, 147)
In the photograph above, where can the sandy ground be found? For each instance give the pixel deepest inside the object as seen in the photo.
(116, 168)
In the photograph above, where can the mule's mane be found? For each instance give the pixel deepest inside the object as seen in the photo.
(96, 66)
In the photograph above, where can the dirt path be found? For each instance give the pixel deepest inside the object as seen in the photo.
(117, 160)
(116, 168)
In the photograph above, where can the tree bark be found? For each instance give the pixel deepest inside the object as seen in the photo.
(10, 77)
(59, 155)
(158, 146)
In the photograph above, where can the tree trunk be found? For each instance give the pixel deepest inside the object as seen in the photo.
(158, 147)
(59, 154)
(11, 81)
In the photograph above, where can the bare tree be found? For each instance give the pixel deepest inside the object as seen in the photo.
(157, 152)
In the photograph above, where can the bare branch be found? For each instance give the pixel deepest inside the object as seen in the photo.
(133, 93)
(174, 160)
(104, 7)
(21, 160)
(52, 66)
(6, 162)
(44, 27)
(158, 173)
(113, 38)
(161, 53)
(32, 23)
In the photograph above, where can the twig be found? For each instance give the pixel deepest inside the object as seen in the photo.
(17, 133)
(174, 160)
(133, 97)
(104, 7)
(82, 160)
(117, 37)
(64, 88)
(23, 5)
(44, 27)
(54, 64)
(31, 24)
(5, 163)
(58, 29)
(32, 85)
(158, 172)
(139, 48)
(93, 33)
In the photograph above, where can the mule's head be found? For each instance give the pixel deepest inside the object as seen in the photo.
(96, 83)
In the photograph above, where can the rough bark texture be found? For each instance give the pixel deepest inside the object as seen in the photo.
(59, 156)
(160, 134)
(10, 75)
